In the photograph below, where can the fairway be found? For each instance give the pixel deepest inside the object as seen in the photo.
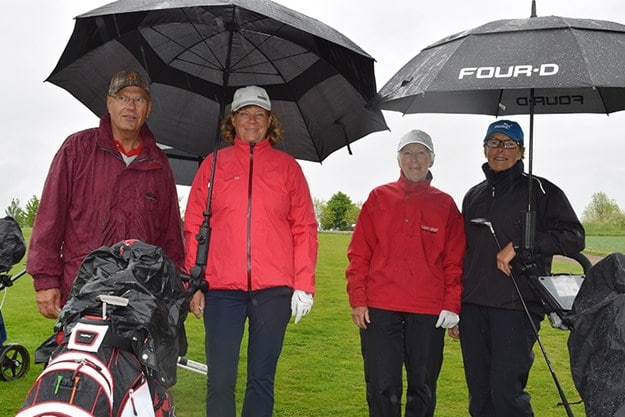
(320, 371)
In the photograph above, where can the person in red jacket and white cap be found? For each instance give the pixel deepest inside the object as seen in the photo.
(404, 282)
(262, 255)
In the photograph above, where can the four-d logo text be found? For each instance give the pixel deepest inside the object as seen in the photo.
(551, 100)
(511, 71)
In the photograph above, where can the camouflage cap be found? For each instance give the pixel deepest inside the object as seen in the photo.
(128, 78)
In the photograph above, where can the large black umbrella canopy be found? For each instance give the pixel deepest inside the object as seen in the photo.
(573, 66)
(198, 52)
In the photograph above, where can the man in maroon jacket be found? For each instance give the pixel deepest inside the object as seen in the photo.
(105, 185)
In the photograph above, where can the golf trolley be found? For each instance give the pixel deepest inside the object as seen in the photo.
(14, 358)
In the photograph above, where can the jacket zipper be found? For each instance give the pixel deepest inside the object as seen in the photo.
(249, 219)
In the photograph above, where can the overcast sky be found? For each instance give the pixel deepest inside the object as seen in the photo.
(583, 154)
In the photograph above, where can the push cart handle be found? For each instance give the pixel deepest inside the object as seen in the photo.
(8, 280)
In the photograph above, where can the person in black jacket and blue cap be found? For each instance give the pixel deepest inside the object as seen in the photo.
(495, 332)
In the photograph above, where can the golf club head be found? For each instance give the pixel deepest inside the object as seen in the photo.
(484, 222)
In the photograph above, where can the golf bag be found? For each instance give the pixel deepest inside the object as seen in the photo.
(12, 245)
(597, 341)
(118, 338)
(92, 373)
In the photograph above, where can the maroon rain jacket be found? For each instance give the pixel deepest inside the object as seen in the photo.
(92, 199)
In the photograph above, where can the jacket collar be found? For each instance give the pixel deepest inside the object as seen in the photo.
(105, 137)
(410, 186)
(501, 178)
(258, 147)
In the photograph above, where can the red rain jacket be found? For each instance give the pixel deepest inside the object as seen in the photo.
(91, 199)
(263, 225)
(407, 250)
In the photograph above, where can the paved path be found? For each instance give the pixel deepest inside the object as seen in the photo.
(592, 258)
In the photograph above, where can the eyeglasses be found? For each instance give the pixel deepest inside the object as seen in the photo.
(496, 143)
(125, 100)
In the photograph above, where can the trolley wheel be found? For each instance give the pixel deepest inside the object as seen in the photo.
(14, 362)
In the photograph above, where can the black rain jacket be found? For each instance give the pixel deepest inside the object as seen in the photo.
(502, 199)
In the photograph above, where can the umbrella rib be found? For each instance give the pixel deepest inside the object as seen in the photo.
(203, 40)
(216, 64)
(257, 47)
(185, 49)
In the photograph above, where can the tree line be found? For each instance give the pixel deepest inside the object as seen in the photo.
(25, 216)
(340, 213)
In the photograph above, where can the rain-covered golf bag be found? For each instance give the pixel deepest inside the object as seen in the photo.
(597, 341)
(12, 245)
(12, 250)
(118, 338)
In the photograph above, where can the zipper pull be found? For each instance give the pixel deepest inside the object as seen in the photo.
(131, 394)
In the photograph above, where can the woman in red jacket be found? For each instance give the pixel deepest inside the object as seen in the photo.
(403, 282)
(262, 256)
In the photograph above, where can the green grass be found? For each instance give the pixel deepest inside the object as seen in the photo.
(320, 370)
(604, 245)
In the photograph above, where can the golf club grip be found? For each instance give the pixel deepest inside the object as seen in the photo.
(528, 226)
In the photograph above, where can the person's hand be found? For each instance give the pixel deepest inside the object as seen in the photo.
(301, 304)
(196, 305)
(49, 302)
(504, 257)
(454, 332)
(360, 316)
(447, 319)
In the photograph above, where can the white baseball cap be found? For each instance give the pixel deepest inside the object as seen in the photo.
(250, 96)
(416, 136)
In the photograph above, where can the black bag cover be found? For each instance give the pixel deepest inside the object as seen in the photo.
(597, 342)
(154, 318)
(12, 245)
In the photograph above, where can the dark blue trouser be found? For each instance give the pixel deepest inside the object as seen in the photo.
(497, 355)
(391, 341)
(225, 313)
(3, 331)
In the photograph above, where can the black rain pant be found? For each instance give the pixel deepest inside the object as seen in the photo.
(497, 354)
(392, 341)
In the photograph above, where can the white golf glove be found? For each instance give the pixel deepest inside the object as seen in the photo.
(301, 303)
(447, 319)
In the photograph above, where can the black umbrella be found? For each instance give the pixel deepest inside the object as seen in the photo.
(538, 65)
(198, 52)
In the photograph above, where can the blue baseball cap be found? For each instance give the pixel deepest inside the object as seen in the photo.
(507, 127)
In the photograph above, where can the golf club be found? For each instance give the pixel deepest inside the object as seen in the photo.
(193, 366)
(485, 222)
